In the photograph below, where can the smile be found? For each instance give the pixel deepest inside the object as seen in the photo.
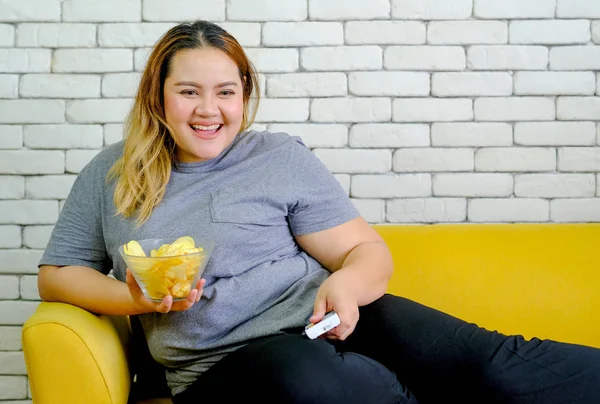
(206, 132)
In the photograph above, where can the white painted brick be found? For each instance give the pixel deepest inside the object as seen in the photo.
(113, 133)
(274, 60)
(597, 184)
(474, 134)
(342, 58)
(500, 57)
(92, 60)
(578, 108)
(283, 110)
(98, 111)
(555, 83)
(391, 186)
(471, 84)
(102, 10)
(372, 210)
(9, 86)
(302, 33)
(598, 84)
(555, 133)
(307, 85)
(515, 109)
(508, 9)
(467, 32)
(509, 210)
(15, 313)
(28, 212)
(316, 135)
(551, 32)
(9, 289)
(77, 159)
(432, 110)
(127, 35)
(555, 185)
(30, 10)
(267, 10)
(355, 160)
(12, 187)
(7, 35)
(431, 9)
(36, 236)
(503, 159)
(344, 180)
(473, 185)
(598, 134)
(575, 210)
(32, 162)
(13, 387)
(348, 10)
(11, 137)
(63, 136)
(60, 86)
(390, 135)
(32, 111)
(12, 363)
(424, 58)
(183, 10)
(426, 210)
(120, 85)
(246, 33)
(432, 159)
(350, 110)
(10, 237)
(577, 9)
(579, 159)
(28, 288)
(575, 58)
(389, 83)
(596, 31)
(19, 261)
(49, 186)
(10, 339)
(25, 60)
(140, 57)
(20, 401)
(56, 35)
(385, 33)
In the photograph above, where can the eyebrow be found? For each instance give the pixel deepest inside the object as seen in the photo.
(191, 83)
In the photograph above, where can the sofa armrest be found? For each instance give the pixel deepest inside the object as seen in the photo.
(74, 356)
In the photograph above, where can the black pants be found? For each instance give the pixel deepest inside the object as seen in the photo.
(401, 352)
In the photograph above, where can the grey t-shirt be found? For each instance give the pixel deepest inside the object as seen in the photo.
(252, 199)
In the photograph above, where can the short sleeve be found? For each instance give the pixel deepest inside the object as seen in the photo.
(319, 201)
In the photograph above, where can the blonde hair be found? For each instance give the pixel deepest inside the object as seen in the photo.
(143, 171)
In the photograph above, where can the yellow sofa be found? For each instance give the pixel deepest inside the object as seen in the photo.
(530, 279)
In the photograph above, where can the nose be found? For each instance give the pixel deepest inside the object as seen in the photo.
(207, 106)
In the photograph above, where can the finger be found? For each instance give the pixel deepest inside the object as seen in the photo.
(165, 305)
(319, 310)
(130, 280)
(201, 284)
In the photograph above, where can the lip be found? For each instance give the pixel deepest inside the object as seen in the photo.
(206, 135)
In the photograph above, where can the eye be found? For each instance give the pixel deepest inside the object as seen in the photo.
(188, 92)
(227, 93)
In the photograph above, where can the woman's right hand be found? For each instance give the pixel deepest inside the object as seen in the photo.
(146, 305)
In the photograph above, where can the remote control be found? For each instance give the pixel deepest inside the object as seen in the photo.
(331, 320)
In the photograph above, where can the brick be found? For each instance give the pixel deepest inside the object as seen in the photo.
(597, 184)
(579, 159)
(389, 135)
(514, 9)
(432, 159)
(302, 33)
(390, 186)
(555, 185)
(98, 111)
(32, 162)
(267, 10)
(19, 261)
(432, 110)
(474, 185)
(15, 313)
(401, 84)
(596, 31)
(575, 58)
(28, 212)
(7, 35)
(467, 32)
(578, 108)
(77, 159)
(515, 109)
(25, 60)
(113, 133)
(10, 339)
(385, 33)
(550, 32)
(353, 161)
(555, 133)
(9, 86)
(36, 236)
(350, 110)
(102, 10)
(372, 210)
(140, 57)
(424, 58)
(471, 134)
(274, 60)
(501, 57)
(426, 210)
(28, 288)
(344, 180)
(13, 387)
(10, 237)
(471, 84)
(12, 363)
(598, 134)
(342, 58)
(32, 111)
(11, 137)
(510, 159)
(344, 10)
(432, 9)
(127, 35)
(63, 136)
(509, 210)
(20, 401)
(246, 33)
(577, 9)
(49, 186)
(9, 289)
(120, 85)
(12, 187)
(598, 84)
(283, 110)
(92, 60)
(29, 10)
(56, 35)
(183, 10)
(316, 135)
(555, 83)
(258, 127)
(60, 86)
(307, 85)
(575, 210)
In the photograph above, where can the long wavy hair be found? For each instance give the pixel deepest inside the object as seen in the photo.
(143, 171)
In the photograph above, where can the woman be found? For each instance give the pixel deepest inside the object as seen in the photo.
(289, 248)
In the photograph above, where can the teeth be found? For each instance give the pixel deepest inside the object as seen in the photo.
(200, 127)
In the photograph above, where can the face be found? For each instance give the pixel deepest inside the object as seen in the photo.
(204, 106)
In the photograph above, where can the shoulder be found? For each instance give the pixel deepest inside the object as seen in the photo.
(269, 142)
